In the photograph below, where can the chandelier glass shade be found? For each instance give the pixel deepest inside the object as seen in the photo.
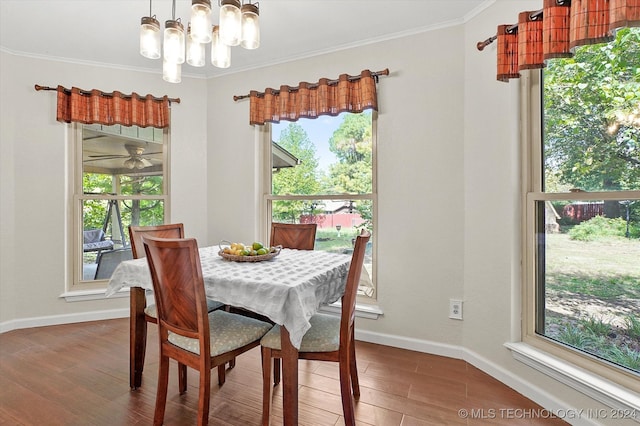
(230, 22)
(195, 50)
(173, 46)
(220, 52)
(201, 21)
(150, 38)
(171, 71)
(238, 25)
(250, 27)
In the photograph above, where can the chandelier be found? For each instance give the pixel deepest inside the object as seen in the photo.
(238, 25)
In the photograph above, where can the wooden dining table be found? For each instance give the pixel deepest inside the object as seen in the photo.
(288, 289)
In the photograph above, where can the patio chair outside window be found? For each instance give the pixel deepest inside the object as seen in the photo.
(94, 240)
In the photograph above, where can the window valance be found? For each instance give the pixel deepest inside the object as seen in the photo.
(310, 100)
(97, 107)
(556, 29)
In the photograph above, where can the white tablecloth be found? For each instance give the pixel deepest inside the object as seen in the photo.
(288, 289)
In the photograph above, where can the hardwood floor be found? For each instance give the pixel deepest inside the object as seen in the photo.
(78, 374)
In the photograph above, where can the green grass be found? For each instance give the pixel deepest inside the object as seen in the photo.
(605, 287)
(632, 323)
(626, 356)
(574, 336)
(602, 275)
(608, 269)
(596, 326)
(594, 336)
(327, 239)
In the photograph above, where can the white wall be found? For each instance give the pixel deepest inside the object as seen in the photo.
(33, 177)
(448, 212)
(492, 185)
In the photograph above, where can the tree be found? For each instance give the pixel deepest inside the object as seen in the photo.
(592, 117)
(299, 180)
(352, 144)
(94, 210)
(146, 212)
(134, 212)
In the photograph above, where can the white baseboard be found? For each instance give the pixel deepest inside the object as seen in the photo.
(425, 346)
(17, 324)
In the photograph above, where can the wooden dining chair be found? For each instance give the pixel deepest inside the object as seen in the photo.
(301, 236)
(330, 338)
(169, 230)
(187, 332)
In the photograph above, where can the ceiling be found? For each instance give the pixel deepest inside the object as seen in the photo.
(105, 32)
(106, 150)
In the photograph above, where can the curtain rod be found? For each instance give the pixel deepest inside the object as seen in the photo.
(313, 86)
(482, 44)
(534, 15)
(86, 92)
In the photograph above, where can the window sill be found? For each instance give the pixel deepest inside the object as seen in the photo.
(596, 387)
(94, 294)
(362, 310)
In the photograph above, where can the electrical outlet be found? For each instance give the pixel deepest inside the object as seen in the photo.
(455, 309)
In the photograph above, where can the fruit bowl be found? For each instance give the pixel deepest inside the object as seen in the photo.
(273, 252)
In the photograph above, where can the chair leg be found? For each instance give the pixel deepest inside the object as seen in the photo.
(204, 395)
(161, 393)
(232, 363)
(345, 390)
(266, 385)
(182, 378)
(355, 384)
(221, 374)
(276, 371)
(138, 337)
(143, 345)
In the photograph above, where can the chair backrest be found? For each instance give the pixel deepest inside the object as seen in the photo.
(351, 287)
(301, 236)
(178, 288)
(108, 260)
(170, 230)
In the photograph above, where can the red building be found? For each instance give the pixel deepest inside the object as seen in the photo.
(336, 213)
(581, 211)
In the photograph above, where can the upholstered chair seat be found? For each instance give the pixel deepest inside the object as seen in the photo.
(323, 336)
(231, 331)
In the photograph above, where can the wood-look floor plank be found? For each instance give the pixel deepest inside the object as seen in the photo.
(78, 374)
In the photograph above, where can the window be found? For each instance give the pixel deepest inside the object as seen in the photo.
(120, 179)
(582, 208)
(323, 171)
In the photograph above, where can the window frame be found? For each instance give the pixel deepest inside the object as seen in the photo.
(265, 138)
(75, 282)
(531, 116)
